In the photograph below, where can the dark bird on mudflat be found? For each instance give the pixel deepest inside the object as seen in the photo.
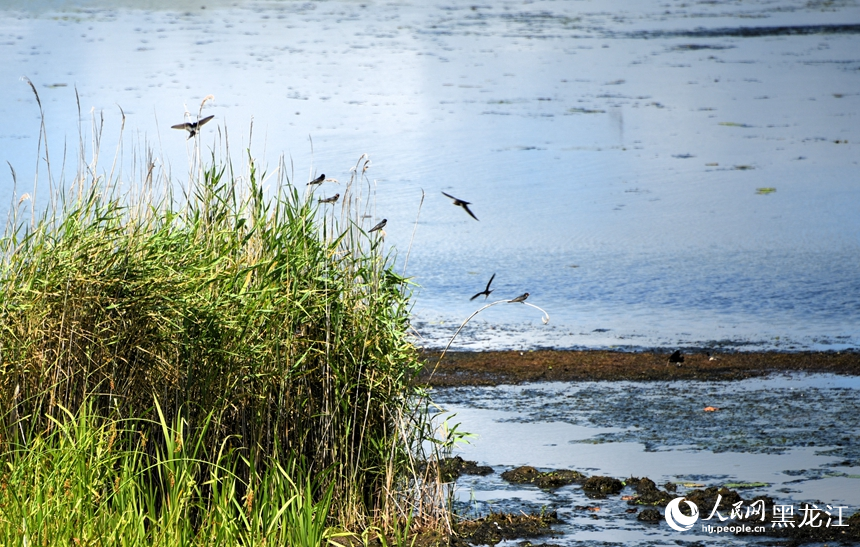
(329, 200)
(520, 298)
(486, 292)
(379, 226)
(676, 358)
(463, 204)
(192, 127)
(319, 180)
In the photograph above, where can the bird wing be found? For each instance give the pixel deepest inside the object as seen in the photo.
(466, 207)
(379, 226)
(180, 126)
(204, 120)
(476, 296)
(457, 201)
(490, 282)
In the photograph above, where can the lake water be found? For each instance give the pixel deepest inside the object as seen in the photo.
(614, 152)
(790, 437)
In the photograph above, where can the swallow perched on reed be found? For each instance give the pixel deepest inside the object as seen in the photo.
(463, 204)
(192, 127)
(329, 200)
(520, 298)
(379, 226)
(319, 180)
(486, 292)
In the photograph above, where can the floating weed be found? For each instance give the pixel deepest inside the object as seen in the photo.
(746, 485)
(765, 191)
(585, 111)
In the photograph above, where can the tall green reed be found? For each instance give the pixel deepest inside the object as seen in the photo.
(268, 328)
(83, 484)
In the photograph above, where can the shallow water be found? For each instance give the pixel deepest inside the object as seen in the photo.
(612, 151)
(796, 433)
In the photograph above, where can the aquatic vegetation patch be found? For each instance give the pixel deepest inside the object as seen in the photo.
(647, 492)
(744, 485)
(453, 468)
(543, 479)
(697, 47)
(670, 414)
(576, 110)
(600, 487)
(751, 31)
(497, 527)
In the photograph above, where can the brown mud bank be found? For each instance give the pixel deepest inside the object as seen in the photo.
(513, 367)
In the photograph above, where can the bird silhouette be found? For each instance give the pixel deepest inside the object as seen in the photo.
(463, 204)
(379, 226)
(319, 180)
(192, 127)
(486, 292)
(676, 358)
(329, 200)
(520, 298)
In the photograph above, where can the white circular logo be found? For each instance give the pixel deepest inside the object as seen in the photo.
(678, 520)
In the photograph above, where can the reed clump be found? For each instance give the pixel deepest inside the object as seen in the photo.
(257, 327)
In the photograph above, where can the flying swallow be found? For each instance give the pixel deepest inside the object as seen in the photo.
(486, 292)
(463, 204)
(520, 298)
(676, 358)
(319, 180)
(192, 127)
(329, 200)
(379, 226)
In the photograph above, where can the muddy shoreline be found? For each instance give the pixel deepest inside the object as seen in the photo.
(634, 508)
(490, 368)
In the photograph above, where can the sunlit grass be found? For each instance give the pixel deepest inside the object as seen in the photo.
(228, 366)
(94, 481)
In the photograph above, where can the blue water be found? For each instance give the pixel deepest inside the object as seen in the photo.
(613, 151)
(792, 436)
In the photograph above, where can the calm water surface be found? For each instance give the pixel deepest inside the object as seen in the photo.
(613, 151)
